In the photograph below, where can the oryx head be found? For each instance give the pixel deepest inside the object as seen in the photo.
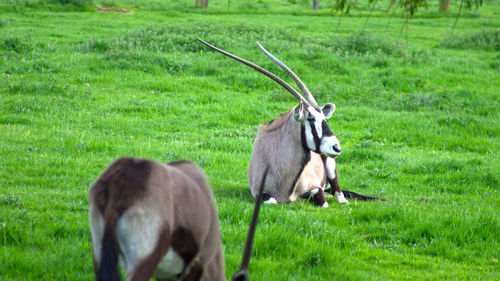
(316, 135)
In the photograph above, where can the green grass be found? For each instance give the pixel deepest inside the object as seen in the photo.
(418, 121)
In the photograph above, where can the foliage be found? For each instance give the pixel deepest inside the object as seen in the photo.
(343, 5)
(411, 6)
(473, 3)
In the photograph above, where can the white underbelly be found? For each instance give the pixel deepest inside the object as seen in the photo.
(170, 266)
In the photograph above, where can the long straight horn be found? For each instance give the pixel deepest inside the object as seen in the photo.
(242, 273)
(295, 78)
(261, 70)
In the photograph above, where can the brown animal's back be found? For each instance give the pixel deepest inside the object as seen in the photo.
(122, 182)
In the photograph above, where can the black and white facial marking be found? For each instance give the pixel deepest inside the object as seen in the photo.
(318, 136)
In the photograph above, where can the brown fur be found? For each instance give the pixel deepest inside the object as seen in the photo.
(179, 195)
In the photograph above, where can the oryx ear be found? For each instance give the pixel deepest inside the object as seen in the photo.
(298, 113)
(328, 110)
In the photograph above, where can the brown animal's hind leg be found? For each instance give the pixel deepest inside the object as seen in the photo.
(96, 264)
(317, 196)
(194, 274)
(145, 269)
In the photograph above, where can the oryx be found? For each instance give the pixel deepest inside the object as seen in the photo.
(157, 220)
(298, 146)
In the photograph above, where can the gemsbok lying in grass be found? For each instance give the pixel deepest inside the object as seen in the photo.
(298, 146)
(158, 220)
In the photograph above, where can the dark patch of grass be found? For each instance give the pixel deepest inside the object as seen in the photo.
(77, 3)
(488, 40)
(147, 62)
(15, 44)
(182, 38)
(420, 102)
(366, 42)
(495, 64)
(10, 200)
(54, 5)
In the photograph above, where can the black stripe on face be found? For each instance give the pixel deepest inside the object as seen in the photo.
(303, 137)
(317, 140)
(326, 130)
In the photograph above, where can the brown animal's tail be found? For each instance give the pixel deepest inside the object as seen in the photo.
(108, 267)
(120, 184)
(116, 188)
(354, 195)
(242, 273)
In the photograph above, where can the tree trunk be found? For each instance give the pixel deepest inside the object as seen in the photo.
(201, 3)
(315, 4)
(444, 5)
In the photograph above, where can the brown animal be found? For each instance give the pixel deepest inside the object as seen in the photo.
(298, 146)
(157, 220)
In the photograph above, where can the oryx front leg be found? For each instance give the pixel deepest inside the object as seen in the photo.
(317, 196)
(333, 179)
(268, 199)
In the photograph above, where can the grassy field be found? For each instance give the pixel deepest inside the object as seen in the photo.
(417, 117)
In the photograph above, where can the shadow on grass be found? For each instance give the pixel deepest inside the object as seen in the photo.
(229, 192)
